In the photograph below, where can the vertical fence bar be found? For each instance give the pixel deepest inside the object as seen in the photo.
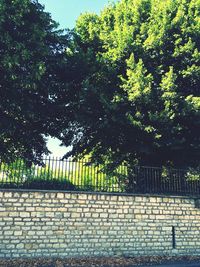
(74, 171)
(177, 180)
(65, 170)
(15, 172)
(56, 171)
(19, 173)
(74, 181)
(88, 175)
(78, 171)
(99, 178)
(37, 171)
(175, 176)
(7, 173)
(96, 181)
(61, 173)
(59, 167)
(91, 185)
(3, 174)
(81, 174)
(52, 169)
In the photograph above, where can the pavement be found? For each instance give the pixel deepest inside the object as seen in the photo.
(180, 264)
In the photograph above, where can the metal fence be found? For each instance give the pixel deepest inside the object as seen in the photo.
(58, 174)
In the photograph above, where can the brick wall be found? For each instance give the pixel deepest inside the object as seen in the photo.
(35, 224)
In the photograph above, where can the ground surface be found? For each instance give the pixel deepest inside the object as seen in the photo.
(105, 262)
(181, 265)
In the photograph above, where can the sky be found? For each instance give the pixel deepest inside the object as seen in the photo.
(66, 12)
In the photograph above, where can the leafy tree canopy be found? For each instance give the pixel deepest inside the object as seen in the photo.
(133, 85)
(31, 59)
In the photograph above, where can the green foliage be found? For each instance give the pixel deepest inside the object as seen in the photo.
(18, 174)
(86, 176)
(193, 174)
(31, 56)
(135, 96)
(65, 176)
(53, 184)
(15, 172)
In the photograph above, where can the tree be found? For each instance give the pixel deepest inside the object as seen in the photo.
(31, 55)
(135, 84)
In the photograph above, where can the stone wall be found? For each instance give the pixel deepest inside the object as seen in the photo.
(64, 224)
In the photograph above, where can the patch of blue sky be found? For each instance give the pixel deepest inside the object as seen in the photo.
(66, 12)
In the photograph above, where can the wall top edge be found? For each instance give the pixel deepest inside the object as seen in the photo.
(100, 193)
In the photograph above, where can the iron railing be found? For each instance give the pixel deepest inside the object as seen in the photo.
(58, 174)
